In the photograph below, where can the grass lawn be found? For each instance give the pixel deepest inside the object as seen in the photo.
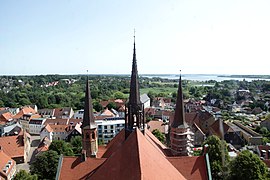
(166, 90)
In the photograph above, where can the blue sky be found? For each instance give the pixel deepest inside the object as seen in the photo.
(199, 37)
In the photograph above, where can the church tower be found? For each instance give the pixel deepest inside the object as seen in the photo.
(134, 113)
(180, 134)
(89, 128)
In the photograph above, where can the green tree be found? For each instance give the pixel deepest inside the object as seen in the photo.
(97, 106)
(247, 166)
(23, 175)
(76, 143)
(45, 165)
(159, 135)
(111, 105)
(2, 104)
(218, 156)
(119, 95)
(61, 147)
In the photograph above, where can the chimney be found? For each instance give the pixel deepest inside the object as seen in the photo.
(83, 155)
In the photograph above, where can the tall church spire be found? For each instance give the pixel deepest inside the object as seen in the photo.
(88, 116)
(135, 110)
(89, 130)
(179, 115)
(134, 97)
(180, 134)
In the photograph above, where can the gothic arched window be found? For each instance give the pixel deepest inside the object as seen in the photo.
(93, 136)
(87, 136)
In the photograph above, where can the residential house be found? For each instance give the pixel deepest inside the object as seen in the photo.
(46, 113)
(24, 111)
(17, 147)
(63, 113)
(5, 118)
(25, 119)
(75, 130)
(165, 115)
(35, 125)
(5, 130)
(47, 132)
(7, 166)
(248, 135)
(145, 100)
(204, 120)
(54, 132)
(158, 103)
(149, 112)
(226, 132)
(199, 136)
(56, 121)
(109, 128)
(42, 147)
(78, 114)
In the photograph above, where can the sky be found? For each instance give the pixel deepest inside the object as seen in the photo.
(73, 36)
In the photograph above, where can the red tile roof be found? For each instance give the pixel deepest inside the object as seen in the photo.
(56, 121)
(59, 112)
(23, 111)
(215, 128)
(58, 128)
(137, 159)
(159, 125)
(265, 148)
(6, 116)
(4, 159)
(13, 146)
(191, 167)
(115, 143)
(73, 168)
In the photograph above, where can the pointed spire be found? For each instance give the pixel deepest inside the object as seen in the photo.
(179, 115)
(88, 116)
(135, 111)
(134, 97)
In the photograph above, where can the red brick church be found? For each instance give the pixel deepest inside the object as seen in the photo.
(135, 153)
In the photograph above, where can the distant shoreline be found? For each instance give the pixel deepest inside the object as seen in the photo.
(247, 76)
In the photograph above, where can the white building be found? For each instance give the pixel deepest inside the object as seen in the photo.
(109, 128)
(78, 114)
(46, 131)
(145, 100)
(35, 125)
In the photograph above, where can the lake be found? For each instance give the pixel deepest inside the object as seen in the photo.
(200, 77)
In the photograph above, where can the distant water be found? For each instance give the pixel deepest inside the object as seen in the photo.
(200, 77)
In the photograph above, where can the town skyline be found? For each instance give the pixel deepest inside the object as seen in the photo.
(68, 37)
